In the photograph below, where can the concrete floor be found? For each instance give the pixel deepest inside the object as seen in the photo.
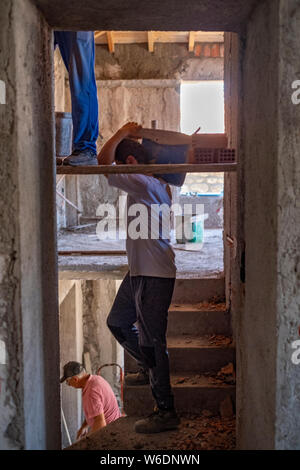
(206, 263)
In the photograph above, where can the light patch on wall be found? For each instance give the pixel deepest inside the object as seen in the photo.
(2, 352)
(202, 105)
(2, 92)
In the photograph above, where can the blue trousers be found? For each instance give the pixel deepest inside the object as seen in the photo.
(138, 321)
(77, 49)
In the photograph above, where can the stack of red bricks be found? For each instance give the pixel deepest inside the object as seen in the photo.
(212, 50)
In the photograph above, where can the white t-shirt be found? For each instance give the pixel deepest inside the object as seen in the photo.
(147, 256)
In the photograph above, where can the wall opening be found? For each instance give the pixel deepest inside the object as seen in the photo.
(93, 280)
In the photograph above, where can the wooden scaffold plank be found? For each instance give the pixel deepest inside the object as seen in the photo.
(146, 169)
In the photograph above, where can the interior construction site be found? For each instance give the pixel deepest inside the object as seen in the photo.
(207, 89)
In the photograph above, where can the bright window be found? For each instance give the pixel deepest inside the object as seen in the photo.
(202, 105)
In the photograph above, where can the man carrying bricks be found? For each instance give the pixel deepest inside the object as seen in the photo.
(145, 294)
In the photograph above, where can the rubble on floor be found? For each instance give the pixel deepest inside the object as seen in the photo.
(225, 375)
(207, 340)
(205, 432)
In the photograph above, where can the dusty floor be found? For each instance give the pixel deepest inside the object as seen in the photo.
(206, 263)
(203, 432)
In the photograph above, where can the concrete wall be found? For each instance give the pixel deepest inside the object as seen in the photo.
(142, 15)
(71, 347)
(260, 134)
(269, 146)
(268, 381)
(98, 340)
(167, 62)
(30, 412)
(288, 233)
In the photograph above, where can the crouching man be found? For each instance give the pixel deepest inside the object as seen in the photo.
(145, 294)
(99, 403)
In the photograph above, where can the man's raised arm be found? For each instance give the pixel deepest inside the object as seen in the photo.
(107, 153)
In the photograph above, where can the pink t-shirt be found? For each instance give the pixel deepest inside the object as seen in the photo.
(98, 398)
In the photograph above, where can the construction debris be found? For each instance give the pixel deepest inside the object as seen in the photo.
(194, 433)
(219, 340)
(207, 433)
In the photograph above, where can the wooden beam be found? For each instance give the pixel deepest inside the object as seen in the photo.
(92, 253)
(98, 34)
(150, 41)
(110, 41)
(132, 37)
(209, 36)
(191, 41)
(146, 169)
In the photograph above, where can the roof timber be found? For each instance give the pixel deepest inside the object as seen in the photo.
(151, 37)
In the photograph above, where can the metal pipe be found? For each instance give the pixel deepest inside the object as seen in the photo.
(65, 425)
(67, 201)
(60, 180)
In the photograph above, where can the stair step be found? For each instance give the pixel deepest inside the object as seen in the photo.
(193, 395)
(194, 354)
(198, 290)
(205, 318)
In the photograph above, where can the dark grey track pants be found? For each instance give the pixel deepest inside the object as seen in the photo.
(138, 320)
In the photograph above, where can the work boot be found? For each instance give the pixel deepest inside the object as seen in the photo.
(159, 421)
(81, 158)
(139, 378)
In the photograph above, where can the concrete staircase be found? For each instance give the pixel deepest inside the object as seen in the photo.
(199, 345)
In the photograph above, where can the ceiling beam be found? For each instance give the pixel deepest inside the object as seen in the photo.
(98, 34)
(150, 41)
(191, 41)
(152, 37)
(110, 41)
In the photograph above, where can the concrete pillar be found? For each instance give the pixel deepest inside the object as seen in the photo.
(110, 350)
(288, 223)
(98, 340)
(29, 397)
(234, 201)
(71, 347)
(258, 339)
(269, 381)
(233, 198)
